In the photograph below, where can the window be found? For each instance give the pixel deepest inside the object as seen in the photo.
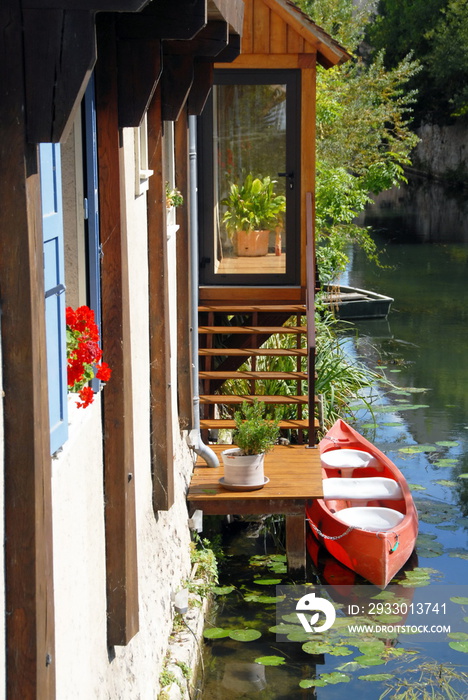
(54, 280)
(250, 160)
(69, 193)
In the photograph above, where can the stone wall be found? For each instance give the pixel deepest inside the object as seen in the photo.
(442, 151)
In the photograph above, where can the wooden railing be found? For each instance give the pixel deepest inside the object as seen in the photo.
(310, 310)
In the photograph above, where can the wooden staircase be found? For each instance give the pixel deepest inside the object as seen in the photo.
(231, 342)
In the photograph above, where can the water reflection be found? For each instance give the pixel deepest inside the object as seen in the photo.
(424, 210)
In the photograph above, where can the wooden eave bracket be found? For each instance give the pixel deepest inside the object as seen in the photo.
(188, 69)
(164, 19)
(139, 70)
(60, 53)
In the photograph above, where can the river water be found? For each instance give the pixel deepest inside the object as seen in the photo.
(422, 424)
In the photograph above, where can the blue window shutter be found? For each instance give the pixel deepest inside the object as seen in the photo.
(92, 208)
(54, 279)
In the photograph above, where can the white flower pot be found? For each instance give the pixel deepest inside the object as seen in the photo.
(243, 470)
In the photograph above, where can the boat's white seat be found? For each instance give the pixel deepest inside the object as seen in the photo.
(372, 518)
(348, 459)
(364, 489)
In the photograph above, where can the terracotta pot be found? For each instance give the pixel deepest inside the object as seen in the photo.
(243, 470)
(252, 243)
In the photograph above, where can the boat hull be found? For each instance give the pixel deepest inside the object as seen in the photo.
(375, 555)
(352, 304)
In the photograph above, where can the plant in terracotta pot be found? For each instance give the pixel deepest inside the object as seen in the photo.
(255, 436)
(253, 210)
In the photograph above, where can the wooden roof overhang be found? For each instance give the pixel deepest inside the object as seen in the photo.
(173, 40)
(278, 35)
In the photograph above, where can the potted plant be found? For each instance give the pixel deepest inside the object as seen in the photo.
(255, 435)
(253, 210)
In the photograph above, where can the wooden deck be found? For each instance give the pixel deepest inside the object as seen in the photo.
(295, 478)
(263, 265)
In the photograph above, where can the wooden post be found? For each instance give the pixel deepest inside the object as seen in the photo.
(30, 635)
(296, 544)
(119, 481)
(162, 449)
(184, 355)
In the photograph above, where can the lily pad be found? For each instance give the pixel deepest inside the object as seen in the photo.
(325, 679)
(316, 647)
(458, 553)
(340, 651)
(368, 660)
(247, 635)
(459, 646)
(445, 482)
(463, 476)
(447, 443)
(459, 636)
(371, 648)
(377, 677)
(284, 628)
(223, 590)
(416, 449)
(428, 547)
(460, 600)
(445, 462)
(416, 487)
(299, 636)
(270, 660)
(215, 633)
(266, 599)
(268, 581)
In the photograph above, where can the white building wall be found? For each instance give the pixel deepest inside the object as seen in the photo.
(85, 667)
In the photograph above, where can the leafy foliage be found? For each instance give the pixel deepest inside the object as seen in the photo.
(363, 134)
(255, 433)
(436, 31)
(253, 205)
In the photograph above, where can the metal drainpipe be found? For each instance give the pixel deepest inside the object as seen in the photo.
(194, 438)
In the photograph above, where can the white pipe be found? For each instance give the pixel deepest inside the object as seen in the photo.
(194, 437)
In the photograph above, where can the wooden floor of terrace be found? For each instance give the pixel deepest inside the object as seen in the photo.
(295, 478)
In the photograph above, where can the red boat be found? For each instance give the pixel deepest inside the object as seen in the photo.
(367, 519)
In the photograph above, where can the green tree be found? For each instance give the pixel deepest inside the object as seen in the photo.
(363, 134)
(447, 61)
(436, 32)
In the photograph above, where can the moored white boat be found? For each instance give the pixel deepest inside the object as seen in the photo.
(351, 303)
(367, 518)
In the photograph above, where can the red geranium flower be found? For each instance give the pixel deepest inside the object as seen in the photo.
(86, 395)
(84, 353)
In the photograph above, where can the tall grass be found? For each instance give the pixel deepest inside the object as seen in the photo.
(341, 379)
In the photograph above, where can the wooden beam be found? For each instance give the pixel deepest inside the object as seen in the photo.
(29, 592)
(162, 449)
(274, 60)
(165, 19)
(119, 481)
(201, 86)
(60, 52)
(87, 5)
(232, 50)
(139, 70)
(308, 101)
(184, 335)
(208, 42)
(176, 82)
